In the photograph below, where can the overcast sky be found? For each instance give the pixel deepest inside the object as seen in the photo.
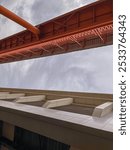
(87, 71)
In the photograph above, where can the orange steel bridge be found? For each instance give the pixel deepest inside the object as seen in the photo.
(87, 27)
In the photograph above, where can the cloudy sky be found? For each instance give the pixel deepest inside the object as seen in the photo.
(87, 71)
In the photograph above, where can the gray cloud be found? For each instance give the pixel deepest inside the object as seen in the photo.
(44, 10)
(89, 70)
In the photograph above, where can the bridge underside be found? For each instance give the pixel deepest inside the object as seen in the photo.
(87, 27)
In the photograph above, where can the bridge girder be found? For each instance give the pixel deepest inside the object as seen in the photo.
(87, 27)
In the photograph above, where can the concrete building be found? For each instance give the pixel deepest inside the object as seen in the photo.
(55, 120)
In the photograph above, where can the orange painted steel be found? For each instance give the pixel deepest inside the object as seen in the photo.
(7, 13)
(87, 27)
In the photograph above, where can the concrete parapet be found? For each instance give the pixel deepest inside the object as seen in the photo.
(11, 96)
(102, 109)
(4, 93)
(58, 102)
(29, 99)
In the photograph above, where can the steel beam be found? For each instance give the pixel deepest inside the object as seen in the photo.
(87, 27)
(7, 13)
